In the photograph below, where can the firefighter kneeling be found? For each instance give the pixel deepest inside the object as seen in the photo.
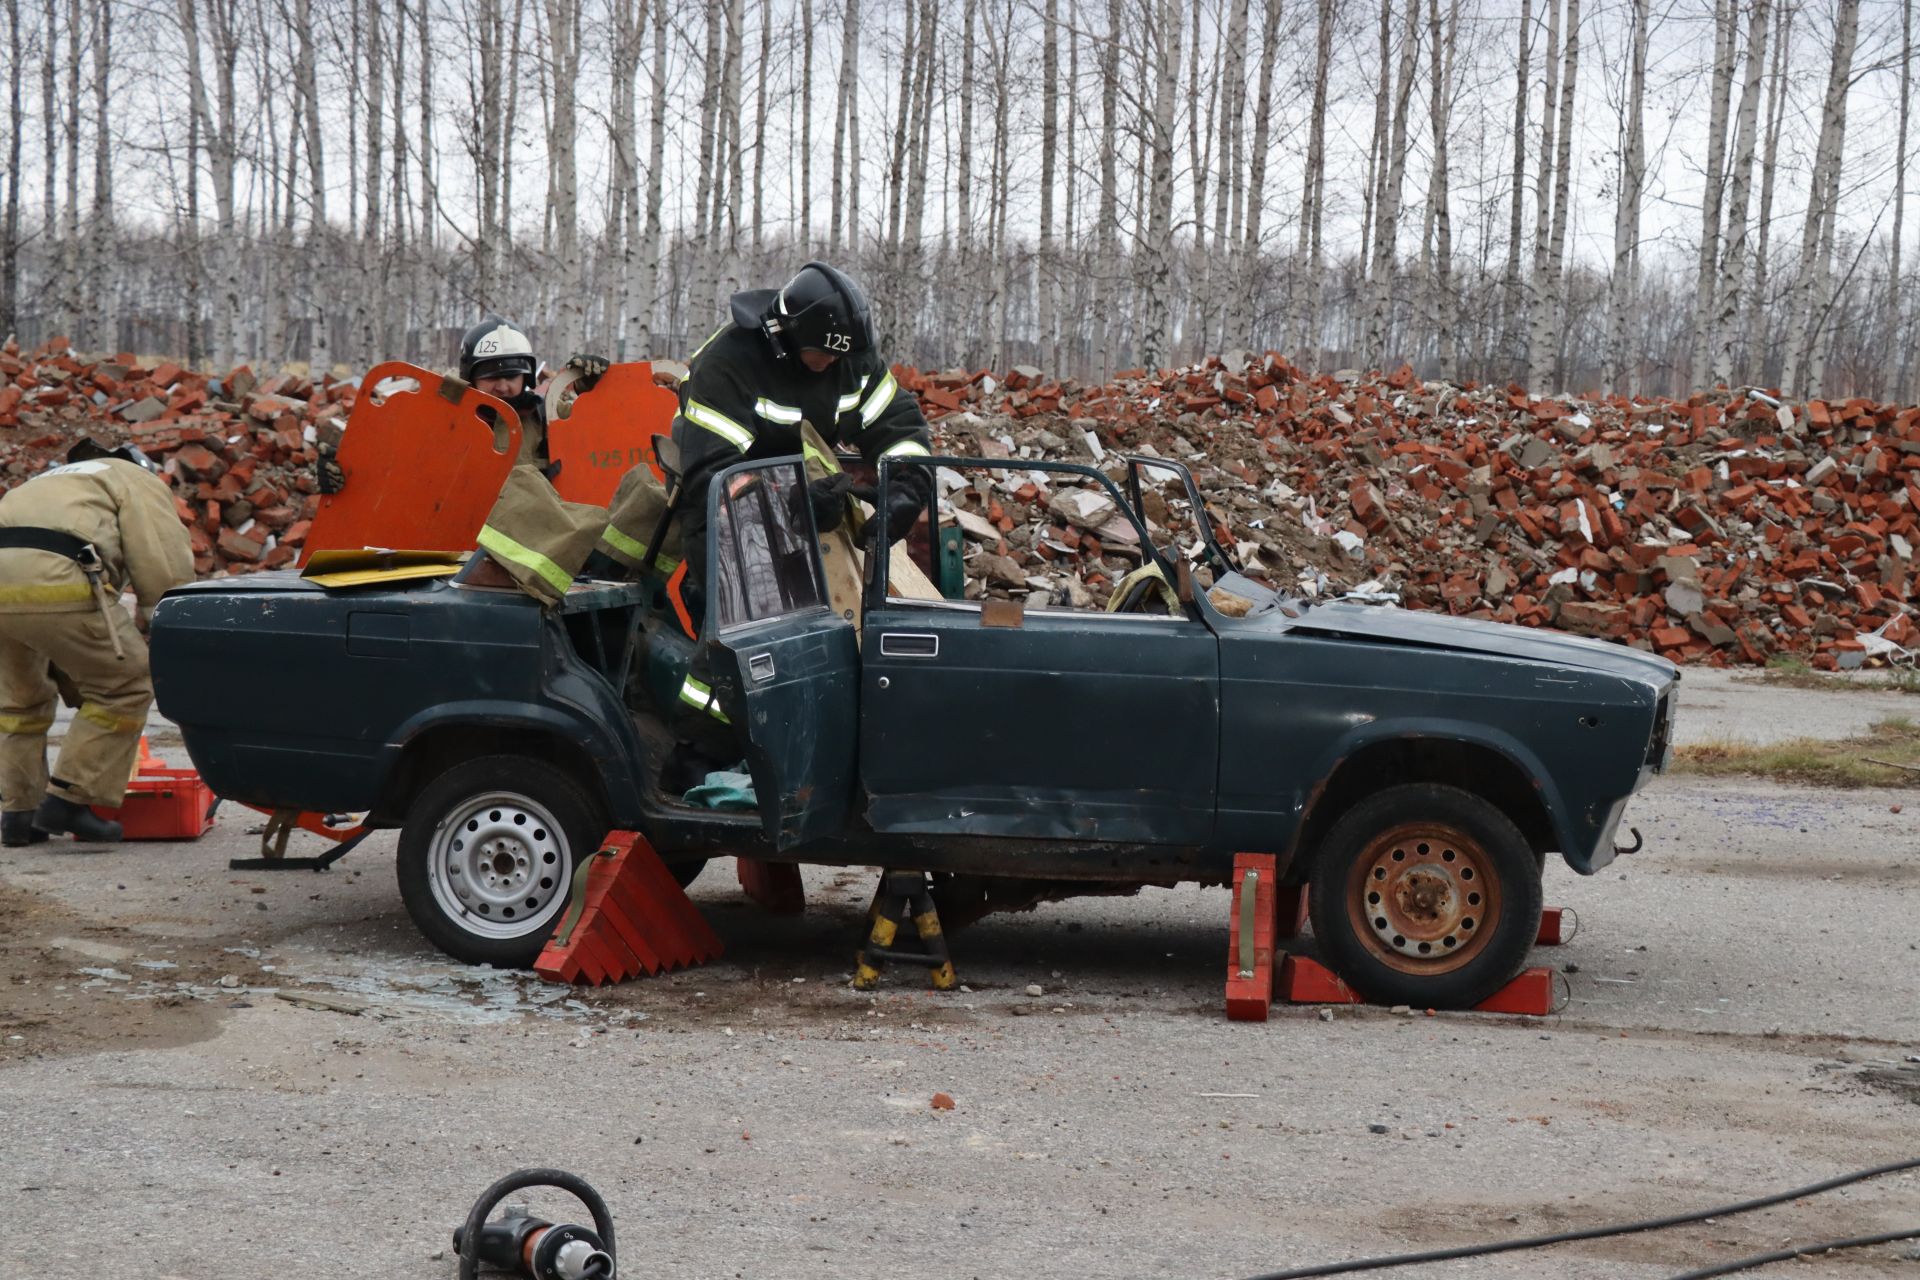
(71, 539)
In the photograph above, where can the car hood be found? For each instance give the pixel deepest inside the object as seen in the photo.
(1468, 635)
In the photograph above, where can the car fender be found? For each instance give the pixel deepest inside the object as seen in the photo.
(613, 760)
(1375, 731)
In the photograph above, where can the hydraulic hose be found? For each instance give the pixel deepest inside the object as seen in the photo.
(1597, 1233)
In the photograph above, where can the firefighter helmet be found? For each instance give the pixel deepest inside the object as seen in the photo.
(495, 348)
(86, 448)
(820, 309)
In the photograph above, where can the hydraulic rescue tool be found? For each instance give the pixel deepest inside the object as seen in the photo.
(533, 1248)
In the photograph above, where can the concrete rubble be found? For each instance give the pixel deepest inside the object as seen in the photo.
(1727, 528)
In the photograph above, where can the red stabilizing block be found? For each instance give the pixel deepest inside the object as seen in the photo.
(1557, 926)
(773, 885)
(633, 918)
(163, 804)
(1250, 988)
(1307, 981)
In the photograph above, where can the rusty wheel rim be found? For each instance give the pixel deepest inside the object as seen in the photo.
(1423, 898)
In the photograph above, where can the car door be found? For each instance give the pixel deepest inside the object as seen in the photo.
(1003, 720)
(784, 666)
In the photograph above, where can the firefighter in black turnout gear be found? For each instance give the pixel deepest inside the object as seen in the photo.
(802, 353)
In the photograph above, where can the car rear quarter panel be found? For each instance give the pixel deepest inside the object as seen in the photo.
(1296, 707)
(307, 700)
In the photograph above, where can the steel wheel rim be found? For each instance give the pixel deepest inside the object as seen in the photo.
(1423, 898)
(498, 865)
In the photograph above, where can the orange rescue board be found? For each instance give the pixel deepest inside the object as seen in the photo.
(423, 468)
(610, 430)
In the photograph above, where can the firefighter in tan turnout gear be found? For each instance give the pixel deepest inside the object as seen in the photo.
(71, 539)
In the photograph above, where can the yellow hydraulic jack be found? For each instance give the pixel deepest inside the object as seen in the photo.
(903, 895)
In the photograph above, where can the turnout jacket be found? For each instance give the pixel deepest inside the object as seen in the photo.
(123, 509)
(742, 401)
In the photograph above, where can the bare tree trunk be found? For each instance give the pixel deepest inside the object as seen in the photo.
(705, 196)
(736, 19)
(484, 143)
(367, 296)
(1624, 285)
(1108, 232)
(1723, 330)
(629, 32)
(1810, 281)
(1199, 129)
(1443, 312)
(760, 122)
(98, 310)
(806, 127)
(963, 192)
(1757, 315)
(648, 288)
(509, 129)
(1711, 200)
(563, 35)
(897, 157)
(846, 136)
(1896, 284)
(1307, 325)
(1556, 131)
(50, 133)
(70, 209)
(1387, 203)
(429, 189)
(1247, 270)
(319, 344)
(1377, 142)
(16, 134)
(1048, 352)
(1155, 337)
(1223, 271)
(1513, 334)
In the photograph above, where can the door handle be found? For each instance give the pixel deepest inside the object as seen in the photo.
(760, 666)
(909, 644)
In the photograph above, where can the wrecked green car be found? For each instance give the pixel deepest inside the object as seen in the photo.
(1414, 770)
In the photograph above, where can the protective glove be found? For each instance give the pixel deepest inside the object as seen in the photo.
(327, 470)
(589, 368)
(828, 497)
(903, 507)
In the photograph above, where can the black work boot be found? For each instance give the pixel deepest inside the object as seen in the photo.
(57, 816)
(17, 829)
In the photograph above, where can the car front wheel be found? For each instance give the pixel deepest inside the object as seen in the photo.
(488, 855)
(1425, 895)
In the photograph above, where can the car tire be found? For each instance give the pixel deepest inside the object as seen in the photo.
(1425, 895)
(488, 855)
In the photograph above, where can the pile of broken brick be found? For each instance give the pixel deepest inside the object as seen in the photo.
(1727, 528)
(238, 451)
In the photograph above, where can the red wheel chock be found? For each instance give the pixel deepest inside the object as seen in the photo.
(775, 886)
(1537, 991)
(628, 916)
(1250, 935)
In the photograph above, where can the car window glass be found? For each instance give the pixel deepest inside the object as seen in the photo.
(1052, 540)
(765, 563)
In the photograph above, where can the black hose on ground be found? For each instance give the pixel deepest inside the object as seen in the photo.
(1593, 1233)
(1803, 1251)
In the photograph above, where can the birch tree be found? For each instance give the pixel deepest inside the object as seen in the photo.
(1722, 333)
(1725, 16)
(1155, 335)
(1623, 285)
(1810, 279)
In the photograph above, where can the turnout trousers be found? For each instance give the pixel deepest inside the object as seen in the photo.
(101, 746)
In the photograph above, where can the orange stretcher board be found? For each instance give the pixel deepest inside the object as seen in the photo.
(423, 468)
(608, 431)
